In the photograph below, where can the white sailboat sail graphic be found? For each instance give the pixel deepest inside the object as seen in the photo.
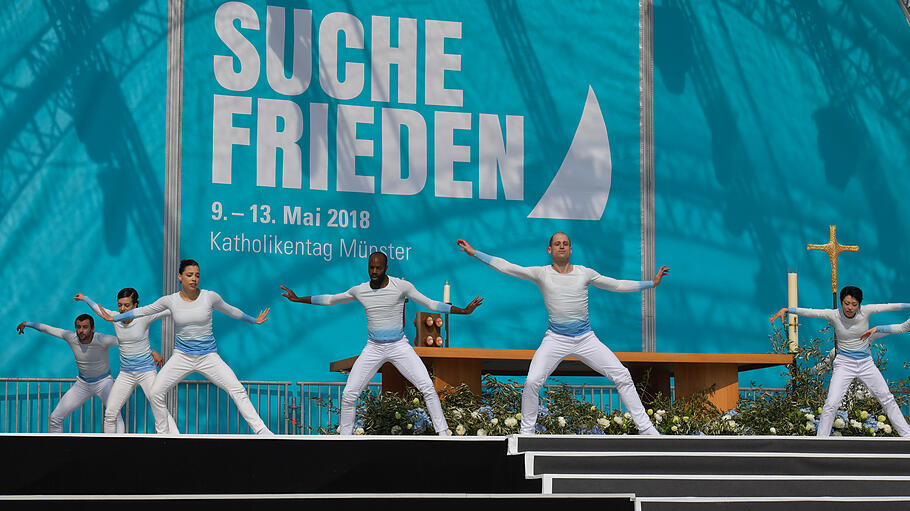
(580, 189)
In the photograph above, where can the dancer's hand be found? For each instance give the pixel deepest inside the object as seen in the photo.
(660, 274)
(466, 247)
(79, 297)
(290, 295)
(104, 315)
(780, 314)
(476, 302)
(159, 360)
(21, 328)
(263, 316)
(868, 333)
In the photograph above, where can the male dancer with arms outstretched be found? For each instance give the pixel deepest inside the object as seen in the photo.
(565, 293)
(90, 350)
(383, 300)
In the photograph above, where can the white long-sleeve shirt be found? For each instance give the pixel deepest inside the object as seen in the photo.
(192, 320)
(847, 329)
(92, 359)
(564, 294)
(383, 306)
(135, 349)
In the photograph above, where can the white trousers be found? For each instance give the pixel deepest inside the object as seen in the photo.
(405, 359)
(217, 371)
(120, 393)
(587, 348)
(79, 393)
(845, 370)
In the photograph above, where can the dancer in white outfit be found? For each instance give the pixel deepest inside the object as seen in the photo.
(195, 349)
(383, 300)
(565, 293)
(137, 358)
(91, 352)
(854, 358)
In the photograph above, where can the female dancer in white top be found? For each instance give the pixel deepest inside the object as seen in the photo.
(137, 358)
(195, 348)
(854, 358)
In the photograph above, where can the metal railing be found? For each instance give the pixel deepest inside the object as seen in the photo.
(297, 408)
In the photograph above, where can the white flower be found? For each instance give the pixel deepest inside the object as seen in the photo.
(593, 408)
(732, 424)
(839, 423)
(676, 419)
(358, 431)
(456, 414)
(449, 432)
(510, 422)
(660, 412)
(627, 415)
(726, 417)
(658, 418)
(495, 421)
(397, 415)
(475, 414)
(856, 424)
(880, 425)
(481, 432)
(603, 422)
(674, 428)
(617, 419)
(810, 417)
(887, 429)
(773, 431)
(561, 420)
(459, 430)
(810, 426)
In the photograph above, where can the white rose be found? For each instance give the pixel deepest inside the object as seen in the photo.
(495, 421)
(459, 430)
(627, 415)
(880, 424)
(887, 428)
(617, 419)
(510, 422)
(603, 422)
(674, 428)
(562, 421)
(839, 423)
(475, 414)
(810, 417)
(660, 412)
(773, 431)
(732, 424)
(481, 432)
(457, 414)
(358, 431)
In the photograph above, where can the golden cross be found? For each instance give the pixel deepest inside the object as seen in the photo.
(833, 249)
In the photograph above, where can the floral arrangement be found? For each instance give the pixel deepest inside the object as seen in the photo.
(497, 410)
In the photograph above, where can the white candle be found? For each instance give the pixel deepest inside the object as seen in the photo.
(792, 329)
(446, 292)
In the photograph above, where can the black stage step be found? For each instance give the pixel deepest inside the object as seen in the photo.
(96, 464)
(720, 473)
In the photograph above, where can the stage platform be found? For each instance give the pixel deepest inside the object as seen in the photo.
(612, 473)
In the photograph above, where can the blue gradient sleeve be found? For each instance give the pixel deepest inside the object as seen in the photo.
(125, 316)
(887, 329)
(88, 301)
(485, 258)
(246, 317)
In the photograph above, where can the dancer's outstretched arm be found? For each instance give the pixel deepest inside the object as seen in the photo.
(886, 330)
(799, 311)
(345, 297)
(157, 307)
(499, 264)
(626, 286)
(412, 293)
(219, 304)
(97, 309)
(41, 327)
(875, 308)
